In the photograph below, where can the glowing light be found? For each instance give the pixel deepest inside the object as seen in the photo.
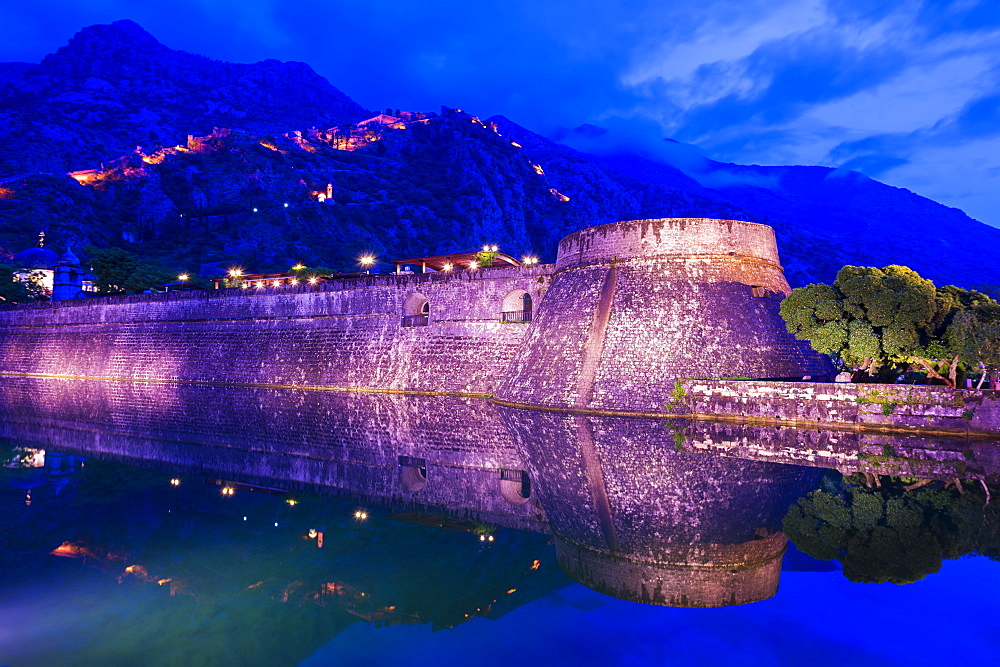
(298, 267)
(183, 277)
(473, 264)
(515, 144)
(513, 590)
(277, 283)
(490, 538)
(528, 260)
(294, 281)
(446, 267)
(163, 581)
(255, 210)
(292, 502)
(286, 204)
(366, 260)
(228, 491)
(275, 524)
(235, 273)
(538, 169)
(175, 482)
(361, 515)
(482, 538)
(246, 285)
(535, 564)
(313, 533)
(313, 280)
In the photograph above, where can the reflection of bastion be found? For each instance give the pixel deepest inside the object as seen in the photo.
(713, 575)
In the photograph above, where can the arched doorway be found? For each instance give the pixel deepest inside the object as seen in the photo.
(416, 311)
(516, 307)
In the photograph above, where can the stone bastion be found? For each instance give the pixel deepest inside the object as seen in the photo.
(627, 309)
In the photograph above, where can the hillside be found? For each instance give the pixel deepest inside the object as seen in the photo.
(115, 108)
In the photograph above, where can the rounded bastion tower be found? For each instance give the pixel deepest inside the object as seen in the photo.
(635, 305)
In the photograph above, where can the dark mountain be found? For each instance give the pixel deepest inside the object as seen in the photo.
(116, 108)
(114, 87)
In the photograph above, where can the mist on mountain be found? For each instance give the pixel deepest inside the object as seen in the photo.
(186, 160)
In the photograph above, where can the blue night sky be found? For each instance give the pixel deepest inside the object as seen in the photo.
(907, 92)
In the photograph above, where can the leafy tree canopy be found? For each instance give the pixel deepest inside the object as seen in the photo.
(118, 271)
(873, 318)
(13, 290)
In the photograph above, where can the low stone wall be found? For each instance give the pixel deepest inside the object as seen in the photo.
(886, 406)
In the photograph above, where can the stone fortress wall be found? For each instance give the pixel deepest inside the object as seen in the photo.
(627, 309)
(343, 334)
(633, 306)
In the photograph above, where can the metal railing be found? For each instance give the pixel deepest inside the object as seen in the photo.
(416, 320)
(515, 316)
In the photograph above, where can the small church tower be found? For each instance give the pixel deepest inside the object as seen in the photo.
(68, 279)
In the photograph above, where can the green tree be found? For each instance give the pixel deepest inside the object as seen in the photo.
(874, 318)
(118, 271)
(974, 334)
(13, 290)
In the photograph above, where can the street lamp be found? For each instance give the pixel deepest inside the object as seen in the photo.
(183, 277)
(367, 261)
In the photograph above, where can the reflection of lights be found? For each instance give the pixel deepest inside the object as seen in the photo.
(275, 524)
(535, 564)
(313, 533)
(175, 482)
(513, 590)
(228, 490)
(490, 538)
(361, 515)
(255, 210)
(163, 581)
(292, 502)
(244, 518)
(286, 204)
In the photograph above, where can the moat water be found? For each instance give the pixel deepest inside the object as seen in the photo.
(163, 525)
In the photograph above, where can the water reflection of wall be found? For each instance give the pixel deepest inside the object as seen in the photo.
(633, 516)
(637, 519)
(938, 456)
(351, 443)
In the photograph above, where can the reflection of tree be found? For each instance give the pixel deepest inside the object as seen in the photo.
(894, 535)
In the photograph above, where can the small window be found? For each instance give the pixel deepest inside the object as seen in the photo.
(412, 473)
(759, 292)
(515, 486)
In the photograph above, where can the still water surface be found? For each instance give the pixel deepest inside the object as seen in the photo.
(122, 544)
